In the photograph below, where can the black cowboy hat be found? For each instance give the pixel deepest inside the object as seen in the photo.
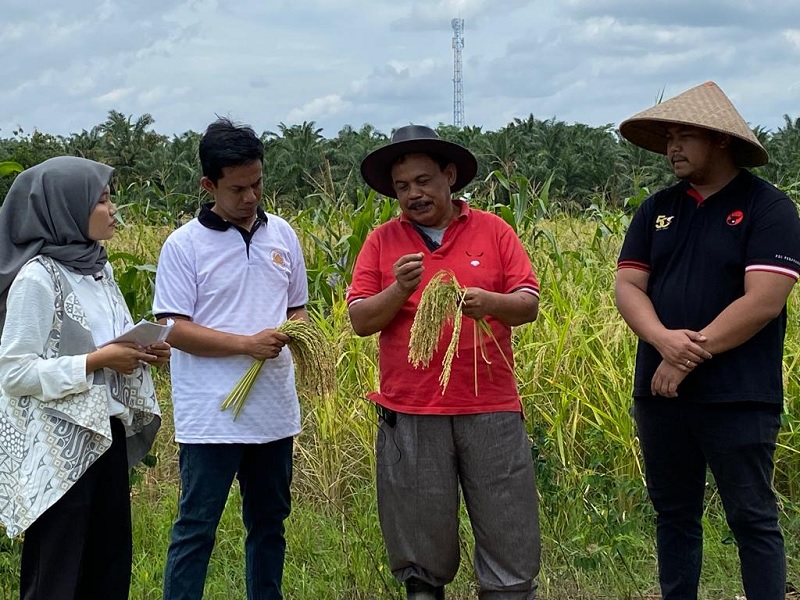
(376, 168)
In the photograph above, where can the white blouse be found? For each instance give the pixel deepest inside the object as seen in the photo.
(29, 317)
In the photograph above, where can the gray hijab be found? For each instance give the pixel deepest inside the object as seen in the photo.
(47, 212)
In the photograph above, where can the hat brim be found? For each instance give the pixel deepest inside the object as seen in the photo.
(651, 134)
(376, 168)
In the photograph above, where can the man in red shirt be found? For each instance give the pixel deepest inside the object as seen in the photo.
(470, 434)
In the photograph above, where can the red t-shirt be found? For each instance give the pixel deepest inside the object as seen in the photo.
(482, 251)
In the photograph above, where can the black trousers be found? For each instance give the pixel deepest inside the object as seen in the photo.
(80, 548)
(679, 441)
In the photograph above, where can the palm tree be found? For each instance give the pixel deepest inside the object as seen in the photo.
(784, 152)
(126, 143)
(294, 161)
(345, 153)
(87, 144)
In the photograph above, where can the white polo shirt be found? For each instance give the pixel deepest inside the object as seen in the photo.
(208, 271)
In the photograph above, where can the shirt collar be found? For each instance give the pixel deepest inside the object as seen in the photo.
(208, 218)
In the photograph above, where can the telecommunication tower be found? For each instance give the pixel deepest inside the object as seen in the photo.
(458, 79)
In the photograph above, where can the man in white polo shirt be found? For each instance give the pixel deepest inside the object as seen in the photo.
(229, 278)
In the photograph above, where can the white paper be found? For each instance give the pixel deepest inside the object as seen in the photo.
(144, 333)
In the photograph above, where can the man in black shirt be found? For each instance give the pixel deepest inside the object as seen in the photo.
(702, 279)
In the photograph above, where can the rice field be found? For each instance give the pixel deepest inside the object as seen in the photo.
(574, 368)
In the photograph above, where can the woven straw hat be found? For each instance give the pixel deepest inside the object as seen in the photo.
(376, 168)
(704, 106)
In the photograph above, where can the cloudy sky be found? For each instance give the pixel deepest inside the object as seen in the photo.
(386, 62)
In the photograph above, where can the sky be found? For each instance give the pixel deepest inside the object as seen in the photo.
(386, 62)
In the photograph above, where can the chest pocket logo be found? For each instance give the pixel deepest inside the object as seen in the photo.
(663, 221)
(474, 255)
(280, 261)
(734, 218)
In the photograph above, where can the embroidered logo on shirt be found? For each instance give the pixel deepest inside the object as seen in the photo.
(474, 255)
(278, 260)
(663, 221)
(734, 218)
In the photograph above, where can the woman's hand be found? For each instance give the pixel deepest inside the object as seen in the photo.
(123, 357)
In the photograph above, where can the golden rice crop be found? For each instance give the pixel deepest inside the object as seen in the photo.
(440, 305)
(315, 365)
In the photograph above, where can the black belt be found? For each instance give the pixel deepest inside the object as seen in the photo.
(387, 415)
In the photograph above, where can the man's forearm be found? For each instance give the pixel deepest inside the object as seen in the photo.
(373, 314)
(736, 324)
(764, 298)
(203, 341)
(514, 309)
(638, 312)
(300, 314)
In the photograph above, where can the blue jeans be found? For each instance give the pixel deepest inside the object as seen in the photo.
(737, 442)
(207, 471)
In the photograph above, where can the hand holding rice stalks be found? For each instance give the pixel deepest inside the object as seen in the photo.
(315, 365)
(439, 305)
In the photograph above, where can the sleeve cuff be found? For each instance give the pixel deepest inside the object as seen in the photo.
(83, 380)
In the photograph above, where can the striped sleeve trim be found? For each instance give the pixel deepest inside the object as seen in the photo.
(633, 264)
(528, 290)
(774, 269)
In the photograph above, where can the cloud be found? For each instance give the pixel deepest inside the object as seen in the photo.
(184, 61)
(325, 106)
(747, 14)
(793, 37)
(114, 96)
(436, 15)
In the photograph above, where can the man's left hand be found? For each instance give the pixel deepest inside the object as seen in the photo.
(666, 380)
(477, 303)
(162, 351)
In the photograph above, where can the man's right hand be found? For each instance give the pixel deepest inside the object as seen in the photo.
(267, 343)
(681, 348)
(408, 272)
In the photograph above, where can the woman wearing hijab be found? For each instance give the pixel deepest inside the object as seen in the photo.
(74, 415)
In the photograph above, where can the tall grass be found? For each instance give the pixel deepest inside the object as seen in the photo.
(574, 367)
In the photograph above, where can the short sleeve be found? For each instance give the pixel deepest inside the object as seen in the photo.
(176, 281)
(774, 243)
(636, 247)
(366, 280)
(297, 294)
(518, 272)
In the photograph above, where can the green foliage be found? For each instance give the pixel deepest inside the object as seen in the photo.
(335, 234)
(525, 204)
(136, 280)
(574, 365)
(579, 161)
(9, 167)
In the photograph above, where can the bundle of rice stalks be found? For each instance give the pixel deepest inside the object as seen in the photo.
(315, 365)
(440, 305)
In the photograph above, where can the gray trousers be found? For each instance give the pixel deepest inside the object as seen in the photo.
(421, 461)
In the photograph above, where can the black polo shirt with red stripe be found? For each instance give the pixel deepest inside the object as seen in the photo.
(697, 253)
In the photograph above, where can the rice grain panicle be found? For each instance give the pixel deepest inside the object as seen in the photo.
(315, 365)
(440, 305)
